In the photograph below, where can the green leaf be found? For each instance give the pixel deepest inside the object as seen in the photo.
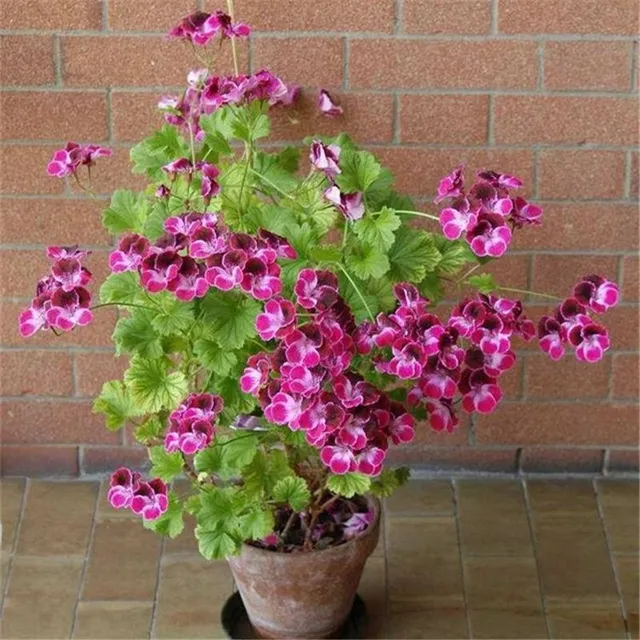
(268, 165)
(349, 484)
(121, 287)
(412, 255)
(292, 491)
(174, 316)
(366, 261)
(454, 254)
(324, 254)
(289, 159)
(264, 472)
(274, 218)
(381, 290)
(231, 317)
(235, 401)
(359, 170)
(483, 282)
(214, 544)
(209, 460)
(165, 466)
(136, 334)
(214, 146)
(431, 287)
(152, 387)
(220, 360)
(217, 508)
(219, 122)
(377, 229)
(257, 524)
(148, 431)
(402, 475)
(171, 522)
(114, 403)
(154, 224)
(150, 155)
(251, 122)
(127, 213)
(385, 484)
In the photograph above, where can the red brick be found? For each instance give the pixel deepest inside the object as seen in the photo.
(557, 274)
(35, 461)
(630, 279)
(146, 15)
(581, 175)
(116, 173)
(367, 118)
(102, 61)
(53, 422)
(134, 115)
(623, 461)
(53, 222)
(460, 120)
(26, 60)
(418, 171)
(108, 459)
(54, 116)
(544, 460)
(623, 324)
(456, 459)
(309, 15)
(426, 436)
(583, 226)
(310, 61)
(626, 378)
(568, 16)
(97, 334)
(24, 170)
(567, 379)
(565, 120)
(94, 369)
(40, 373)
(635, 174)
(550, 423)
(58, 15)
(604, 66)
(492, 64)
(446, 16)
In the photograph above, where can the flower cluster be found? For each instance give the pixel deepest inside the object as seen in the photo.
(61, 300)
(198, 252)
(206, 93)
(65, 162)
(306, 383)
(572, 325)
(200, 28)
(191, 427)
(487, 214)
(413, 344)
(326, 158)
(145, 498)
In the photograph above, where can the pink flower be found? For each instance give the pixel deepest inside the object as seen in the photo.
(69, 308)
(34, 318)
(503, 180)
(451, 186)
(189, 281)
(224, 271)
(597, 293)
(189, 436)
(369, 461)
(159, 268)
(150, 499)
(316, 289)
(302, 346)
(491, 336)
(349, 204)
(276, 243)
(132, 248)
(327, 106)
(210, 187)
(91, 152)
(354, 392)
(262, 281)
(439, 383)
(339, 459)
(199, 28)
(283, 409)
(457, 219)
(525, 213)
(489, 236)
(205, 241)
(402, 429)
(122, 487)
(325, 158)
(69, 273)
(467, 316)
(357, 523)
(322, 414)
(442, 416)
(550, 336)
(278, 314)
(255, 374)
(179, 166)
(407, 359)
(64, 161)
(591, 341)
(480, 392)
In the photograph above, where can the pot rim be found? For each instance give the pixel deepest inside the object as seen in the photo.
(298, 556)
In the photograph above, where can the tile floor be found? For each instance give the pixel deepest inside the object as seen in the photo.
(459, 559)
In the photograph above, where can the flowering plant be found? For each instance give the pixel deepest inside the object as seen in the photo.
(281, 325)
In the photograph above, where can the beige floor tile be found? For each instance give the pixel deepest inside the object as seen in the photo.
(421, 498)
(493, 518)
(415, 536)
(567, 620)
(41, 598)
(185, 543)
(628, 570)
(443, 622)
(11, 491)
(573, 558)
(134, 550)
(373, 586)
(113, 620)
(562, 498)
(190, 596)
(619, 500)
(507, 623)
(57, 518)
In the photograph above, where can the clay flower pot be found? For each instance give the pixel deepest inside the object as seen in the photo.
(303, 595)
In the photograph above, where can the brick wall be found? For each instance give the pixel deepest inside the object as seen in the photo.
(545, 89)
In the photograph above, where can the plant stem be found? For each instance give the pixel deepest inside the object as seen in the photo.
(346, 233)
(287, 526)
(419, 213)
(273, 186)
(526, 291)
(233, 40)
(121, 304)
(466, 275)
(355, 286)
(193, 147)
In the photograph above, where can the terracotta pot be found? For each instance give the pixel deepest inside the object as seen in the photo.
(303, 595)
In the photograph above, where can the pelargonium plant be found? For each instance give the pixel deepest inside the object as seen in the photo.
(279, 312)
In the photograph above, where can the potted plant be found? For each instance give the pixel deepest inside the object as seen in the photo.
(281, 327)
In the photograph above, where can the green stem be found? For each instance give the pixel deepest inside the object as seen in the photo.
(273, 186)
(121, 304)
(355, 286)
(193, 148)
(419, 213)
(346, 233)
(466, 275)
(233, 41)
(527, 292)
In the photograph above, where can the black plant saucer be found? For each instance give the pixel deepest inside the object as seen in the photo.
(237, 626)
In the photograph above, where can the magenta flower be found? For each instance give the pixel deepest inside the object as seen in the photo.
(402, 429)
(132, 248)
(407, 359)
(64, 161)
(179, 166)
(276, 243)
(327, 106)
(349, 204)
(550, 337)
(352, 435)
(479, 391)
(225, 271)
(159, 268)
(317, 290)
(200, 27)
(503, 180)
(189, 436)
(352, 391)
(302, 346)
(369, 461)
(34, 318)
(598, 294)
(458, 219)
(283, 409)
(205, 241)
(442, 416)
(451, 186)
(278, 314)
(438, 383)
(262, 281)
(322, 414)
(150, 499)
(69, 273)
(59, 253)
(325, 158)
(69, 308)
(189, 282)
(591, 341)
(491, 336)
(255, 374)
(210, 187)
(489, 236)
(339, 459)
(122, 487)
(91, 152)
(357, 523)
(525, 213)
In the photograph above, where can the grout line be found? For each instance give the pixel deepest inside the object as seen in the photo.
(109, 113)
(534, 544)
(14, 547)
(536, 173)
(605, 462)
(154, 609)
(540, 60)
(634, 67)
(398, 23)
(57, 60)
(626, 188)
(395, 115)
(346, 57)
(494, 17)
(250, 55)
(491, 136)
(104, 18)
(74, 377)
(456, 514)
(603, 523)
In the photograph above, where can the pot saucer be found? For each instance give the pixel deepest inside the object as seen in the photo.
(235, 620)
